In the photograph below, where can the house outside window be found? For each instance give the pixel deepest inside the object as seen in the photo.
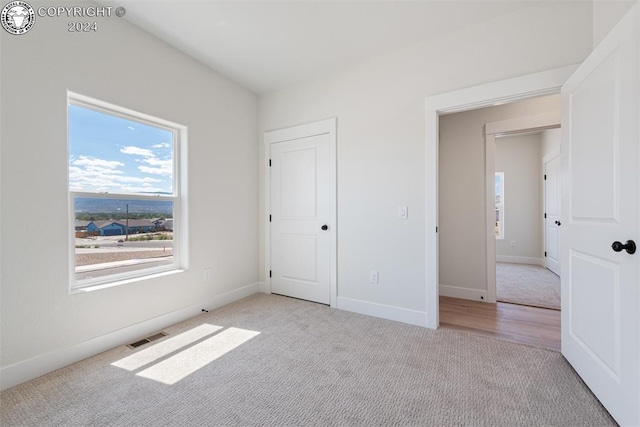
(125, 193)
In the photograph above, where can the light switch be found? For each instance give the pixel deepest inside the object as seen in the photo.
(403, 212)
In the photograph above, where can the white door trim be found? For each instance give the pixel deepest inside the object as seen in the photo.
(500, 92)
(328, 126)
(524, 124)
(491, 130)
(490, 213)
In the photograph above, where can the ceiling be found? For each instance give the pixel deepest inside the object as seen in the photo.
(268, 45)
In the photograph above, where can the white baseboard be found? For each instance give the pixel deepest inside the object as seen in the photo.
(520, 260)
(388, 312)
(29, 369)
(235, 295)
(464, 293)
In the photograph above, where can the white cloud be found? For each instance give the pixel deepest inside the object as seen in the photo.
(90, 162)
(157, 166)
(154, 171)
(158, 162)
(154, 165)
(162, 145)
(91, 174)
(137, 151)
(112, 176)
(131, 128)
(134, 179)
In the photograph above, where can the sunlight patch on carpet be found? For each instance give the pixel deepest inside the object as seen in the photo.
(183, 364)
(166, 347)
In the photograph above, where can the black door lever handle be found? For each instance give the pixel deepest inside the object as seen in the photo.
(630, 247)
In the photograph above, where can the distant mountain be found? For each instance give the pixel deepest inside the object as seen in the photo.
(119, 206)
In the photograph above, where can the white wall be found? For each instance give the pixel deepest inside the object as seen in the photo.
(520, 158)
(551, 139)
(379, 104)
(606, 14)
(123, 65)
(462, 212)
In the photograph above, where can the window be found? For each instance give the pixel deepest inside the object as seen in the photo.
(499, 205)
(124, 190)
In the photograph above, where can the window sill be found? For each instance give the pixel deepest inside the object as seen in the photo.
(98, 287)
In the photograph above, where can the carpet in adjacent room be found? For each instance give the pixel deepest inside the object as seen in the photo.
(527, 285)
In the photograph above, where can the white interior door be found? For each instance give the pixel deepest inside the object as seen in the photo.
(302, 222)
(552, 214)
(600, 157)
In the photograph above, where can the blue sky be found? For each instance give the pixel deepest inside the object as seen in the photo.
(115, 155)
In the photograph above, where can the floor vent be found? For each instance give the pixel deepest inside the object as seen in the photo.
(148, 339)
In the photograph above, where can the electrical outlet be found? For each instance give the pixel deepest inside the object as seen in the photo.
(207, 274)
(513, 244)
(373, 277)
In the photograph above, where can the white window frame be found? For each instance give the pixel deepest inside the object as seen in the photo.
(178, 198)
(500, 206)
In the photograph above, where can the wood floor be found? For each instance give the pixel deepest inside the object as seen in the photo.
(510, 322)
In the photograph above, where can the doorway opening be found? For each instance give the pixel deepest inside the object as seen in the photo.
(492, 94)
(526, 153)
(491, 198)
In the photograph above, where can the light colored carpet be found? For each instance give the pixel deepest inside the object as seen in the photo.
(312, 365)
(528, 285)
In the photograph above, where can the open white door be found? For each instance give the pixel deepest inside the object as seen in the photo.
(600, 196)
(552, 214)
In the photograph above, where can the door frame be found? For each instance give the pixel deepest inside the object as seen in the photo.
(492, 130)
(322, 127)
(487, 95)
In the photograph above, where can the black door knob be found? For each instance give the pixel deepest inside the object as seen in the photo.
(325, 227)
(558, 223)
(630, 246)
